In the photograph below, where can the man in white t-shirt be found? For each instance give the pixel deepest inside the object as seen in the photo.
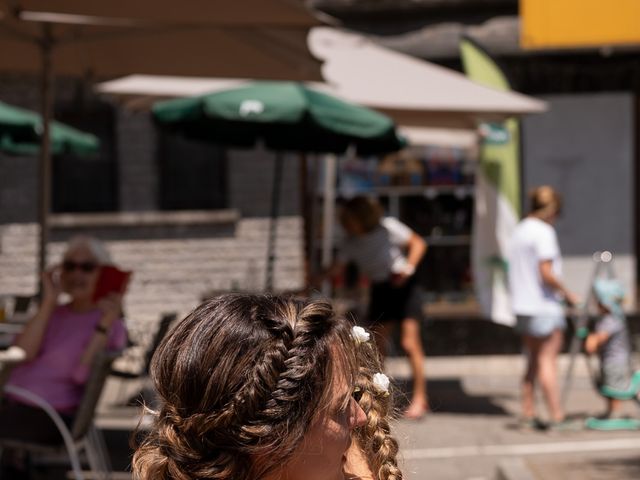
(535, 267)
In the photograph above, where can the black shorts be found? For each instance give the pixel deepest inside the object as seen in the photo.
(390, 303)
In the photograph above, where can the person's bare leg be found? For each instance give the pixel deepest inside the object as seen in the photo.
(548, 373)
(412, 345)
(532, 345)
(382, 335)
(614, 406)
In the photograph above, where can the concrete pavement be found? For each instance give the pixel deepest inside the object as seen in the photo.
(473, 428)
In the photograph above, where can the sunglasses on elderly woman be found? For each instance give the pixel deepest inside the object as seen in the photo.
(86, 267)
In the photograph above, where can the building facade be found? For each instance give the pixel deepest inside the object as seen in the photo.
(188, 219)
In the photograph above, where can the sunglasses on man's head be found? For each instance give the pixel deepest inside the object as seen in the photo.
(86, 267)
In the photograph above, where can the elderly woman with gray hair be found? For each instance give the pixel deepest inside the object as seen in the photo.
(61, 341)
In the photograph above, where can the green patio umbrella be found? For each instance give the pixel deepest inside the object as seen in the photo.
(20, 132)
(284, 116)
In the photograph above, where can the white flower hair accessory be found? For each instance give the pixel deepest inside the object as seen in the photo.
(360, 335)
(381, 383)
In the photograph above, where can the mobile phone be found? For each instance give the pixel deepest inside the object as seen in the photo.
(110, 280)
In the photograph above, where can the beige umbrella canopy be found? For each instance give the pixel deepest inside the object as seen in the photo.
(192, 51)
(252, 38)
(412, 91)
(244, 38)
(221, 12)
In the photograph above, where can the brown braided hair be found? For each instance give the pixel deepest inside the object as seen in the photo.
(374, 438)
(240, 381)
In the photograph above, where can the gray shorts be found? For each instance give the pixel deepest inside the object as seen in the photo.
(615, 375)
(539, 326)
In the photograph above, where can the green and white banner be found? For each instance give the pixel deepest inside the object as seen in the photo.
(497, 196)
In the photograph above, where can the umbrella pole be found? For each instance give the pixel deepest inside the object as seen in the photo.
(328, 214)
(306, 217)
(275, 208)
(314, 266)
(46, 78)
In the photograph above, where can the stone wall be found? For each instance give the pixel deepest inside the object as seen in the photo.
(171, 272)
(250, 182)
(138, 175)
(18, 187)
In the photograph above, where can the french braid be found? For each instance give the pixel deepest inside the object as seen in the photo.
(375, 439)
(240, 381)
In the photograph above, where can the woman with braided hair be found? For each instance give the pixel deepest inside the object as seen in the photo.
(373, 440)
(265, 387)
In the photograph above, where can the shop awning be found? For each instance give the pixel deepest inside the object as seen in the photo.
(412, 91)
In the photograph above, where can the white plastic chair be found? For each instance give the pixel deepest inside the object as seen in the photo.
(83, 435)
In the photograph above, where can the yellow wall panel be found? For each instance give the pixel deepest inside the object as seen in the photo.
(579, 23)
